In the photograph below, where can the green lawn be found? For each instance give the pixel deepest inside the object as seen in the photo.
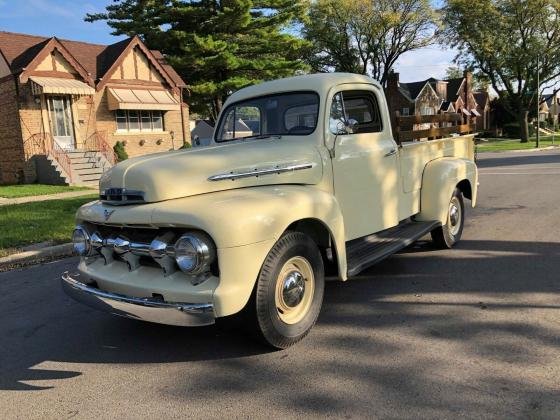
(29, 223)
(498, 145)
(26, 190)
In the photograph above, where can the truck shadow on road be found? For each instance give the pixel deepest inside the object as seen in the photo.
(487, 301)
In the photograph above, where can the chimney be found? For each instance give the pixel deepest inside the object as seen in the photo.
(393, 80)
(468, 78)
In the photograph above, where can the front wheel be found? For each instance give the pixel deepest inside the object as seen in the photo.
(289, 290)
(449, 234)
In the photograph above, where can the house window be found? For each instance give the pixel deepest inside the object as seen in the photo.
(405, 112)
(144, 121)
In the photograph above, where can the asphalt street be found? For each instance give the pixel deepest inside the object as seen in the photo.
(471, 332)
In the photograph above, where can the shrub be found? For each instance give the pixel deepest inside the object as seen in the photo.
(120, 151)
(186, 145)
(512, 130)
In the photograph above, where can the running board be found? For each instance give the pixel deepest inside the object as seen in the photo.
(364, 252)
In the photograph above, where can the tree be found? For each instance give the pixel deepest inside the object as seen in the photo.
(503, 40)
(453, 72)
(217, 46)
(365, 36)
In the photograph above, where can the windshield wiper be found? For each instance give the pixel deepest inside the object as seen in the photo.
(260, 137)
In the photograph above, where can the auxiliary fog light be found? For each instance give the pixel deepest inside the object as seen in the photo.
(81, 241)
(194, 253)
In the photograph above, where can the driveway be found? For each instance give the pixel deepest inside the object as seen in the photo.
(471, 332)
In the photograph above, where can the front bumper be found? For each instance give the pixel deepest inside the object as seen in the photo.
(144, 309)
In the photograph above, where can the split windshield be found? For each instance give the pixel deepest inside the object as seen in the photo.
(285, 114)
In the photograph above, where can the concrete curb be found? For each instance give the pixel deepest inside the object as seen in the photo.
(31, 257)
(540, 149)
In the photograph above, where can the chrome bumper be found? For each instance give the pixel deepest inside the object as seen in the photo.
(144, 309)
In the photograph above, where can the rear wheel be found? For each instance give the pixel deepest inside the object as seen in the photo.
(449, 234)
(289, 290)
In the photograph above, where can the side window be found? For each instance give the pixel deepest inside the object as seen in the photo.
(361, 106)
(337, 117)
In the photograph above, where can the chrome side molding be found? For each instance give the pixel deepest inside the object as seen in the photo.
(278, 169)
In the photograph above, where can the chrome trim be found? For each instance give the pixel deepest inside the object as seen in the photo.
(144, 309)
(259, 172)
(205, 252)
(121, 196)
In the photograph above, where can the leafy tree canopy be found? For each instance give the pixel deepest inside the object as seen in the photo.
(503, 40)
(218, 46)
(367, 37)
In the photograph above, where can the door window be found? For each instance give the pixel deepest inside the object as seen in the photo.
(62, 129)
(361, 106)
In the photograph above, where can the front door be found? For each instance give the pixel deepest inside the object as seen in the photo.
(365, 163)
(62, 125)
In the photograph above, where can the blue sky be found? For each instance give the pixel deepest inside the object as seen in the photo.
(64, 19)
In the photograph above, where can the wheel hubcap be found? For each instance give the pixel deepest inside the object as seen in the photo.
(295, 287)
(454, 220)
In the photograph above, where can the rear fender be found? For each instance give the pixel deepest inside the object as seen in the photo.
(439, 180)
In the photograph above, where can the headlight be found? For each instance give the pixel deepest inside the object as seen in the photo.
(194, 252)
(80, 238)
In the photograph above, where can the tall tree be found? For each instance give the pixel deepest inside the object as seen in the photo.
(503, 40)
(365, 36)
(218, 46)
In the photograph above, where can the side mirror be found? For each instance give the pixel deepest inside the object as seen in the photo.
(352, 126)
(347, 127)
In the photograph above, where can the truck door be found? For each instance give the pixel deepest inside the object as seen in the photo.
(365, 163)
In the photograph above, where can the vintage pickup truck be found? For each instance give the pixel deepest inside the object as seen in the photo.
(303, 181)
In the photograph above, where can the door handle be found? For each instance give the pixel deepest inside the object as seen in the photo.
(391, 152)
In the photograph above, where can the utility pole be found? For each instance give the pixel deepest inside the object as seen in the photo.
(538, 101)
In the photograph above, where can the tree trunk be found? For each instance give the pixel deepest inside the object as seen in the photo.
(524, 126)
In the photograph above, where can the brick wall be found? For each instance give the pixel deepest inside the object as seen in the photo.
(11, 147)
(142, 143)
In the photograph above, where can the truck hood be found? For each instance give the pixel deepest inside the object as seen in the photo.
(177, 174)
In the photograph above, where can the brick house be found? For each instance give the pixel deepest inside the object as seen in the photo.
(431, 96)
(64, 104)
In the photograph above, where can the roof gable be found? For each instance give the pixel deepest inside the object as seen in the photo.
(95, 60)
(134, 42)
(48, 48)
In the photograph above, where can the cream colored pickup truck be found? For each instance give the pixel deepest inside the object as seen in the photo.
(303, 181)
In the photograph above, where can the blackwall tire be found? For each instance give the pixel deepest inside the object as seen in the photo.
(289, 291)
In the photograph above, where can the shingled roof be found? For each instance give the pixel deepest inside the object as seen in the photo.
(20, 49)
(412, 90)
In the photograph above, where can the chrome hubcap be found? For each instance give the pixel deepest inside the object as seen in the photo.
(454, 220)
(293, 289)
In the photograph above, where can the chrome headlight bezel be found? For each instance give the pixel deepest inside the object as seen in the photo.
(81, 241)
(194, 253)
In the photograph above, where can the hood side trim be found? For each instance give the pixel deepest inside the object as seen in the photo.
(278, 169)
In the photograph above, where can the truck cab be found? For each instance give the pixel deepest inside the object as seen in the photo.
(303, 180)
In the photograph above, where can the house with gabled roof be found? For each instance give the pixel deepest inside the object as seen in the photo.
(432, 96)
(64, 104)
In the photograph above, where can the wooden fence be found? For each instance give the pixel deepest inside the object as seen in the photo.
(441, 125)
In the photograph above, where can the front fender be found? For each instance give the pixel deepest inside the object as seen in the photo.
(440, 177)
(245, 224)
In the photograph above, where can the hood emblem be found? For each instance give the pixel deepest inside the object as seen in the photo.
(107, 214)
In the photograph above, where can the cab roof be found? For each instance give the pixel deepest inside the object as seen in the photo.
(319, 82)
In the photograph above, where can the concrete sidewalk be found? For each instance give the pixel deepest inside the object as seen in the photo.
(21, 200)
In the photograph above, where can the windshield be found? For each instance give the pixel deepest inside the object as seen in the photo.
(285, 114)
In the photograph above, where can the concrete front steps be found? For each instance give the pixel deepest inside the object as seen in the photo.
(86, 168)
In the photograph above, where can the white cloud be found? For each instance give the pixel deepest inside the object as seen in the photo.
(424, 63)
